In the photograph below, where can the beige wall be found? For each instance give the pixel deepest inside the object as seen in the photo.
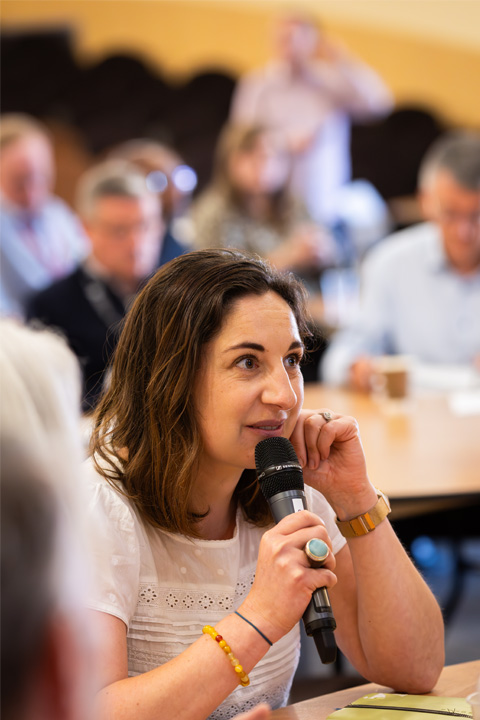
(427, 50)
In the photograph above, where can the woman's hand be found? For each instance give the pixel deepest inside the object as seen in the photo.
(284, 581)
(333, 461)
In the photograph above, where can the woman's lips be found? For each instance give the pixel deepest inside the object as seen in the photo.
(268, 426)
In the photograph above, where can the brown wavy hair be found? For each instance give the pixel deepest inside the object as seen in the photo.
(146, 439)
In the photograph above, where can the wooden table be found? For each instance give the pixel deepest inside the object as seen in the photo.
(455, 681)
(415, 448)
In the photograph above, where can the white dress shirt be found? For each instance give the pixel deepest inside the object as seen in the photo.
(37, 250)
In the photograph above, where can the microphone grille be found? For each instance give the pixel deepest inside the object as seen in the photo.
(273, 452)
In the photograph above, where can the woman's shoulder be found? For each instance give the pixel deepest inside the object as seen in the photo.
(106, 498)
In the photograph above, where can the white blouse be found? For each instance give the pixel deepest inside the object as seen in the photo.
(166, 587)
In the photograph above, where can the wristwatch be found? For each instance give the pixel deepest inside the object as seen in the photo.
(365, 523)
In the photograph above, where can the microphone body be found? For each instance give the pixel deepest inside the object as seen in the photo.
(281, 480)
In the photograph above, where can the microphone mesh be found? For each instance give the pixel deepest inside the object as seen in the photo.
(277, 451)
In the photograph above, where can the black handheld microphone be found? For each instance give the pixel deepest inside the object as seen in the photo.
(281, 480)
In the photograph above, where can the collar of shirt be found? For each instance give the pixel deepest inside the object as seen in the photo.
(436, 257)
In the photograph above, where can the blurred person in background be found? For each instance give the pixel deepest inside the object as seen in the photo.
(122, 219)
(309, 94)
(41, 239)
(248, 205)
(421, 286)
(169, 176)
(48, 642)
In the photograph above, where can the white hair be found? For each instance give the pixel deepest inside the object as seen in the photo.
(111, 178)
(40, 383)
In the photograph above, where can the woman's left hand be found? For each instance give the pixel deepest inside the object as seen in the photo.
(333, 460)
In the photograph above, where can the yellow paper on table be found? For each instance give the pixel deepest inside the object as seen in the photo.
(392, 706)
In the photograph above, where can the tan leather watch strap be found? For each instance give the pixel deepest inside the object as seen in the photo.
(365, 523)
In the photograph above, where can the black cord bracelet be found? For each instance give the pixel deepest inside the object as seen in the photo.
(254, 627)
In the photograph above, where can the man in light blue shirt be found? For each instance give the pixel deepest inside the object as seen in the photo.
(41, 238)
(421, 286)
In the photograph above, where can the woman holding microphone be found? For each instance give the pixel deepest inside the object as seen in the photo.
(197, 591)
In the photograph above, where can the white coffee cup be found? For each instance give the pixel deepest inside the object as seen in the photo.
(474, 700)
(392, 374)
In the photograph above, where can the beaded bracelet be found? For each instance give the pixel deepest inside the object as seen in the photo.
(242, 676)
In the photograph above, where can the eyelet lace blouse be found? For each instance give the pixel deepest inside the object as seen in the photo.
(166, 587)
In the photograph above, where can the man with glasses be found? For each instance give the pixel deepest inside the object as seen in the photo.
(421, 286)
(123, 221)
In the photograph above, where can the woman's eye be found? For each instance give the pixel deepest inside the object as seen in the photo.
(247, 363)
(293, 360)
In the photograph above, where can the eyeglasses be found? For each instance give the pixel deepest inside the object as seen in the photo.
(183, 178)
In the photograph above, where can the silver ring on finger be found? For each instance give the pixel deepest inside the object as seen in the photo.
(327, 415)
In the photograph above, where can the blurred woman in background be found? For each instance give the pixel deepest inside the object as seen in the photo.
(248, 206)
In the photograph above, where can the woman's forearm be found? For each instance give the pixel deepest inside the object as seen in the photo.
(190, 686)
(400, 637)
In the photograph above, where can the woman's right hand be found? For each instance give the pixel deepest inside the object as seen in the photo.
(284, 581)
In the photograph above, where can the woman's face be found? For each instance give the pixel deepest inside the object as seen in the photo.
(263, 169)
(249, 386)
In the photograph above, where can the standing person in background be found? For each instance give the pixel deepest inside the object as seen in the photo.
(41, 240)
(166, 174)
(123, 221)
(421, 286)
(248, 205)
(309, 95)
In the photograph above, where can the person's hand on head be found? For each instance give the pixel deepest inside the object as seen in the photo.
(333, 50)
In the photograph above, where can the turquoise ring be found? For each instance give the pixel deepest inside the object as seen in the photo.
(317, 552)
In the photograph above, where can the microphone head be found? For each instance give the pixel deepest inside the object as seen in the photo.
(277, 466)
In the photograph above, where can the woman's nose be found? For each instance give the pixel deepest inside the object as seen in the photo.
(279, 390)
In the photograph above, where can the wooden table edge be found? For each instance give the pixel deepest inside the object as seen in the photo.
(455, 681)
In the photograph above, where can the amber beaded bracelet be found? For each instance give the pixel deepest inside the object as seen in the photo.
(242, 676)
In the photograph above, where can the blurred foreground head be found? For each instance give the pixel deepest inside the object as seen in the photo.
(46, 649)
(26, 162)
(449, 184)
